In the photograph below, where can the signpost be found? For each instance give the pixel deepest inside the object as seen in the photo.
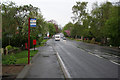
(31, 23)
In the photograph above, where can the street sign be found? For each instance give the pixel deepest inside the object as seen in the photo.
(32, 22)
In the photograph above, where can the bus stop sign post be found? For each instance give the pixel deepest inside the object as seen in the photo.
(31, 23)
(29, 41)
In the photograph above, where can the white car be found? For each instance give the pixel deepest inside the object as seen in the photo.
(57, 37)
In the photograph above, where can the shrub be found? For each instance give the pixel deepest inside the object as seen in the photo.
(40, 40)
(15, 48)
(92, 41)
(11, 60)
(9, 47)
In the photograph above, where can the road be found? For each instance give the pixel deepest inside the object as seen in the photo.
(81, 64)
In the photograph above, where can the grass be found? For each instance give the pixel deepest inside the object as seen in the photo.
(20, 58)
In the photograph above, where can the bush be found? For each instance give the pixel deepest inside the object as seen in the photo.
(11, 60)
(40, 40)
(15, 48)
(92, 41)
(9, 47)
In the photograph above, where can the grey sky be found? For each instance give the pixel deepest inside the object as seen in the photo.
(59, 10)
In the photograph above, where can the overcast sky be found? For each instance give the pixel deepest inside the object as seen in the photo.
(59, 10)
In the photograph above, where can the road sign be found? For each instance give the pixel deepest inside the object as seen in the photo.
(32, 22)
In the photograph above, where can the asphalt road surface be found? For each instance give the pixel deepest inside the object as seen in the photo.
(81, 64)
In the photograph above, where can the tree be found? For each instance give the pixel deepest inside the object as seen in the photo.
(8, 22)
(99, 16)
(112, 26)
(79, 11)
(51, 28)
(80, 15)
(15, 24)
(67, 29)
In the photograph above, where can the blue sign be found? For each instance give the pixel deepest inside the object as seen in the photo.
(32, 22)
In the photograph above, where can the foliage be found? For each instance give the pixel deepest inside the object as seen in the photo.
(18, 58)
(9, 47)
(98, 25)
(15, 24)
(51, 28)
(112, 26)
(10, 60)
(93, 40)
(67, 27)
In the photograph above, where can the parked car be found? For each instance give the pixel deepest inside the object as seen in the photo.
(46, 37)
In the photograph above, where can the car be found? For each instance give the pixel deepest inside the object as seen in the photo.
(64, 38)
(46, 37)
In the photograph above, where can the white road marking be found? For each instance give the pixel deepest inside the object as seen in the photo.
(98, 56)
(65, 71)
(114, 62)
(90, 53)
(82, 50)
(101, 57)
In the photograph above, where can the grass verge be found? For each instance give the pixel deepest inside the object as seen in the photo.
(18, 58)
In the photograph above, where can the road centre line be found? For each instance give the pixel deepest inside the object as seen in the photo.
(114, 62)
(82, 50)
(102, 57)
(98, 56)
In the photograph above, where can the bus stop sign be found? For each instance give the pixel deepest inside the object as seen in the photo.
(32, 22)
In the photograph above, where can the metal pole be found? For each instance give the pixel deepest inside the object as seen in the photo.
(34, 47)
(29, 41)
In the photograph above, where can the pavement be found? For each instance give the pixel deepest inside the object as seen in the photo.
(43, 65)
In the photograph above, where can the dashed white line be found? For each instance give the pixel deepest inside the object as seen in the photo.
(114, 62)
(101, 57)
(98, 56)
(82, 50)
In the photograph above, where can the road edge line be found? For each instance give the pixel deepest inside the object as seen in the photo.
(64, 69)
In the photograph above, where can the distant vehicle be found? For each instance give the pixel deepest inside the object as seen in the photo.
(61, 37)
(46, 37)
(64, 38)
(57, 37)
